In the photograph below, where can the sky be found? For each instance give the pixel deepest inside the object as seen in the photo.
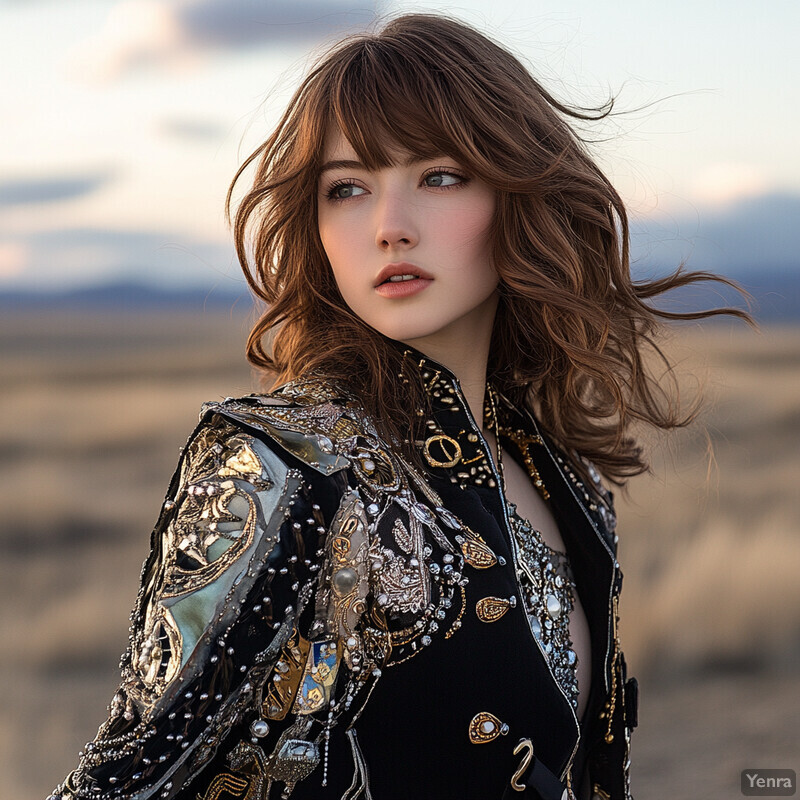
(124, 122)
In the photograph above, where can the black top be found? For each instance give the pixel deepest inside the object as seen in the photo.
(319, 620)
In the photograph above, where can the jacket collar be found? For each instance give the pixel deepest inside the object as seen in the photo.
(454, 441)
(454, 446)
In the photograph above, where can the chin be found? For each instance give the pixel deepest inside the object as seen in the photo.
(404, 330)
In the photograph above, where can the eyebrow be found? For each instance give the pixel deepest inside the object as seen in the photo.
(344, 163)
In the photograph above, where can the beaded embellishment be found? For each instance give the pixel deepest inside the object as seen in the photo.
(547, 585)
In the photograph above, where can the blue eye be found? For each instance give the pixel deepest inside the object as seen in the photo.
(440, 175)
(334, 194)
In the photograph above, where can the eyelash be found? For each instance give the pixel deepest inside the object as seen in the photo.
(330, 193)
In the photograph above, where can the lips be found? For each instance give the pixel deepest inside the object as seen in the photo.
(401, 268)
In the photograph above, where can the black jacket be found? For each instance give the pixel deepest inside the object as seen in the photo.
(307, 623)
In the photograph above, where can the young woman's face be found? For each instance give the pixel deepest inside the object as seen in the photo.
(427, 219)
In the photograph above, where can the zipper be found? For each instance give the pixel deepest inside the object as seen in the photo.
(515, 558)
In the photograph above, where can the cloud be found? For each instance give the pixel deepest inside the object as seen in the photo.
(721, 184)
(33, 191)
(746, 236)
(177, 33)
(199, 130)
(237, 23)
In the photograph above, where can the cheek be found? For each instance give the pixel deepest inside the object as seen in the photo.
(339, 244)
(466, 234)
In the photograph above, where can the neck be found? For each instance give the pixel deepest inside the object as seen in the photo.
(463, 347)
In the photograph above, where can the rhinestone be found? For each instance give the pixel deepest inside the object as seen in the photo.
(553, 606)
(259, 728)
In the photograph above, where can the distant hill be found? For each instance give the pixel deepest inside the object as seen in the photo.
(127, 297)
(776, 297)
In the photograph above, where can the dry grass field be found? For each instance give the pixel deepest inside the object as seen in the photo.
(95, 409)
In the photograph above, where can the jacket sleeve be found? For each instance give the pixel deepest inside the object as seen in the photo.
(232, 563)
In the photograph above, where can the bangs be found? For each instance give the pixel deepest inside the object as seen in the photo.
(382, 101)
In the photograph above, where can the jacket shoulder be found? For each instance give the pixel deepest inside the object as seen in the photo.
(307, 417)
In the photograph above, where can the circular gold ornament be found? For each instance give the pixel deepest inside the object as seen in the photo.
(449, 447)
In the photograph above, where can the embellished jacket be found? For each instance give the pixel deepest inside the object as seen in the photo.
(319, 619)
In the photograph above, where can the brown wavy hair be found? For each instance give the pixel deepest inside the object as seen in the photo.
(572, 327)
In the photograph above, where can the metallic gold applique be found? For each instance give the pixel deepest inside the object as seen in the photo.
(490, 609)
(476, 552)
(523, 744)
(290, 668)
(242, 464)
(450, 450)
(600, 794)
(485, 727)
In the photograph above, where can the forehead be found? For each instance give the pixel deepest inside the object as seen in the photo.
(338, 146)
(372, 148)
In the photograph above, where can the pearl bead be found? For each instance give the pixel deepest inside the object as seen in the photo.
(344, 581)
(259, 728)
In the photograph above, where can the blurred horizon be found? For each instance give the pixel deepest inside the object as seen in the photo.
(127, 120)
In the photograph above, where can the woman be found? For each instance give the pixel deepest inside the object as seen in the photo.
(395, 575)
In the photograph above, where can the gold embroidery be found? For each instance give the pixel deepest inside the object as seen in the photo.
(523, 441)
(457, 621)
(226, 784)
(485, 727)
(476, 552)
(451, 452)
(610, 704)
(490, 609)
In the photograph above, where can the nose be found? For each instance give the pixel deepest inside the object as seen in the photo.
(396, 223)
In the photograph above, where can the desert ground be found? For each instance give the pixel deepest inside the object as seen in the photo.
(96, 407)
